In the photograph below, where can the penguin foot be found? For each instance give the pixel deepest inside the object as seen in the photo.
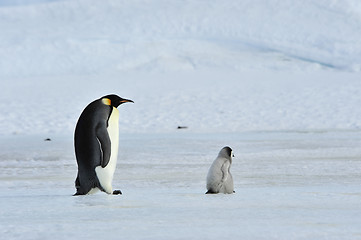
(117, 192)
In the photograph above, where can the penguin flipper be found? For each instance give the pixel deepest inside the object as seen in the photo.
(105, 144)
(224, 170)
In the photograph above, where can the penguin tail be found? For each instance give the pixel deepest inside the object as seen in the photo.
(210, 191)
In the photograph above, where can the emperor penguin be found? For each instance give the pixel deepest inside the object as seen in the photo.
(219, 177)
(96, 141)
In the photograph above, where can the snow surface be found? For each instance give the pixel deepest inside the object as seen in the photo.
(278, 81)
(90, 36)
(289, 185)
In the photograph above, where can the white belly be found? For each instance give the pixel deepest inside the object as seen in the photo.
(105, 175)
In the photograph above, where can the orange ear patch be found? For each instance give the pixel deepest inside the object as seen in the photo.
(106, 101)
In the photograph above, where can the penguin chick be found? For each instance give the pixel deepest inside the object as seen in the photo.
(96, 141)
(219, 178)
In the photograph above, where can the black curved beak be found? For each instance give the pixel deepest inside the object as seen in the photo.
(125, 101)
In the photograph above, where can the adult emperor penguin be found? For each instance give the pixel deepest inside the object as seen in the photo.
(96, 140)
(219, 178)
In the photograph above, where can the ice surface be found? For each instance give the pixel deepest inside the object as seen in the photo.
(278, 81)
(299, 185)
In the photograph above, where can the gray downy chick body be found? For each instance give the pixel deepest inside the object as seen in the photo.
(219, 178)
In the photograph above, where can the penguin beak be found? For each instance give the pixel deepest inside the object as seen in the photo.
(125, 101)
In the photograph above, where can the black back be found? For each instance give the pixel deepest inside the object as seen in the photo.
(91, 129)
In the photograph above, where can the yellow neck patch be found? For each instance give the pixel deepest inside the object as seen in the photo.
(106, 101)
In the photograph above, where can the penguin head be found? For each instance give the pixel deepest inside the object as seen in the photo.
(114, 100)
(226, 152)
